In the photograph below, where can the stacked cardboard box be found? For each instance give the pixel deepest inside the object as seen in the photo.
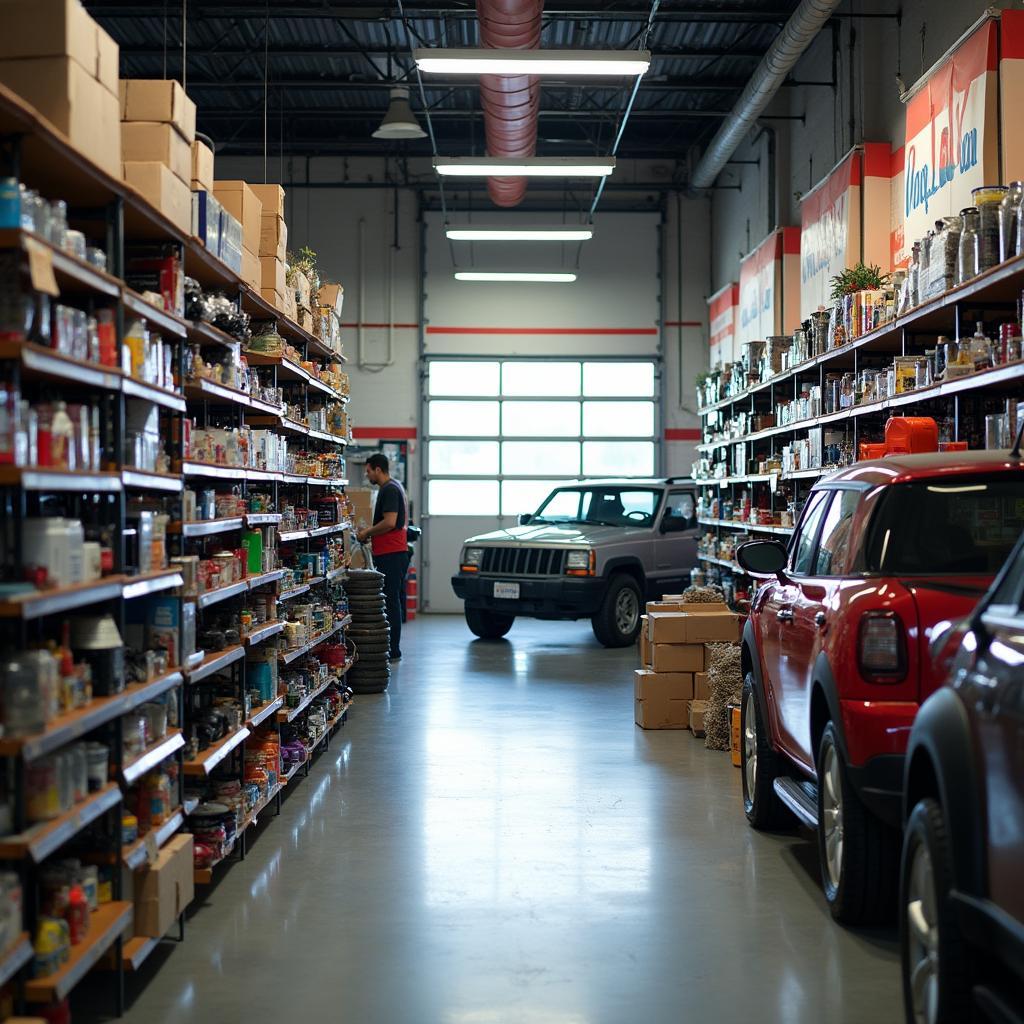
(158, 128)
(329, 301)
(272, 246)
(59, 60)
(672, 641)
(241, 203)
(165, 888)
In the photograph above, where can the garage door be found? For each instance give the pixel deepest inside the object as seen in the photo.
(501, 433)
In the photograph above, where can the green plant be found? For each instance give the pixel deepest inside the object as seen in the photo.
(860, 278)
(303, 261)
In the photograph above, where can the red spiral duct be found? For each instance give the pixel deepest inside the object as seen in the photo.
(510, 102)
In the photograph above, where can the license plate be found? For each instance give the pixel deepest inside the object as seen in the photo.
(508, 591)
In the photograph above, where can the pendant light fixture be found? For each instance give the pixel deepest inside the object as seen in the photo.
(470, 233)
(526, 167)
(495, 276)
(566, 63)
(399, 122)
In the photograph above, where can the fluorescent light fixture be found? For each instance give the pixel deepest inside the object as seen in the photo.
(595, 63)
(528, 167)
(503, 275)
(485, 234)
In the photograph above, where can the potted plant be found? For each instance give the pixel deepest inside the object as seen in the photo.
(860, 278)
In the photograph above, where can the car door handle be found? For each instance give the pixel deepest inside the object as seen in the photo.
(784, 615)
(819, 619)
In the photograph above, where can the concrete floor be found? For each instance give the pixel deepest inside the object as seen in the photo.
(494, 842)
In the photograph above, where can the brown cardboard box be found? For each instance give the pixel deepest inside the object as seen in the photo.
(652, 685)
(273, 236)
(290, 310)
(701, 686)
(271, 198)
(78, 105)
(671, 603)
(272, 274)
(643, 644)
(108, 60)
(251, 273)
(165, 889)
(50, 28)
(202, 167)
(661, 714)
(677, 657)
(154, 142)
(158, 99)
(697, 710)
(166, 191)
(693, 627)
(240, 201)
(275, 298)
(332, 296)
(362, 505)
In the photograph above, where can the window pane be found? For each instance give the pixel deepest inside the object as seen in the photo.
(464, 377)
(463, 458)
(526, 496)
(618, 458)
(540, 419)
(526, 458)
(834, 553)
(539, 379)
(618, 380)
(808, 530)
(618, 419)
(463, 497)
(562, 505)
(464, 419)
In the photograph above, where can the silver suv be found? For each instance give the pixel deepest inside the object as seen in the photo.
(593, 550)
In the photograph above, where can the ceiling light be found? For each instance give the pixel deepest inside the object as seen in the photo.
(399, 122)
(596, 63)
(528, 167)
(492, 234)
(495, 275)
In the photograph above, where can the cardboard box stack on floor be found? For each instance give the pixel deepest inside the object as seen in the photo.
(60, 61)
(243, 205)
(165, 888)
(672, 641)
(158, 128)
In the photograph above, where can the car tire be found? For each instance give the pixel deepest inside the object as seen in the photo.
(932, 950)
(760, 766)
(858, 853)
(488, 625)
(617, 622)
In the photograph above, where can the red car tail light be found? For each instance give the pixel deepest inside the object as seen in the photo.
(882, 647)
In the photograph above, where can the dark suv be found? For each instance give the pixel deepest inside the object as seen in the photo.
(962, 878)
(835, 652)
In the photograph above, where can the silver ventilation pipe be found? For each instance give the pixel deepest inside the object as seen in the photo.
(799, 32)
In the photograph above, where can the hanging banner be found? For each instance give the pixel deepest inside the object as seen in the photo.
(722, 309)
(1011, 86)
(951, 138)
(899, 254)
(770, 287)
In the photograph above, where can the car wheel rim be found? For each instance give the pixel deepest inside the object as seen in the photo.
(923, 938)
(750, 746)
(627, 612)
(832, 816)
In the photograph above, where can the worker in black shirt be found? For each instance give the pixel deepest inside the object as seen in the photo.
(390, 543)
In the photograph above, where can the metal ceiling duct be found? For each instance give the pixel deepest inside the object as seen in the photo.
(510, 102)
(797, 34)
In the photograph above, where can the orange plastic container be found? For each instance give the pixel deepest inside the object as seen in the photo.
(734, 735)
(909, 435)
(952, 446)
(868, 450)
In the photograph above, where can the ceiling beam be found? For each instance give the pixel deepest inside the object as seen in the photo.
(330, 116)
(344, 84)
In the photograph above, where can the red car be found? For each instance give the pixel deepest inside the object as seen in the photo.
(835, 652)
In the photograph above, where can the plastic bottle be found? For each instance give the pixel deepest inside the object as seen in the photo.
(62, 438)
(77, 914)
(981, 349)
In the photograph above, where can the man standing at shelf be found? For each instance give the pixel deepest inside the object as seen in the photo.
(390, 543)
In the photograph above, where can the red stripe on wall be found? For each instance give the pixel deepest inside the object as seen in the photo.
(543, 330)
(682, 434)
(410, 327)
(1012, 35)
(684, 323)
(791, 241)
(877, 159)
(385, 433)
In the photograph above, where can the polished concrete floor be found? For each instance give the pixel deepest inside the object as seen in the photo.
(494, 842)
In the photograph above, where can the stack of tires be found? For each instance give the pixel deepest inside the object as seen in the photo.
(368, 634)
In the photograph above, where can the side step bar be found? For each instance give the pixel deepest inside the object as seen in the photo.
(801, 798)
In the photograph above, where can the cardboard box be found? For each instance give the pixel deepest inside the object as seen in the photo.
(676, 604)
(362, 505)
(78, 105)
(164, 890)
(50, 28)
(273, 236)
(701, 686)
(271, 198)
(331, 296)
(661, 714)
(676, 657)
(166, 191)
(240, 201)
(643, 644)
(108, 61)
(275, 298)
(697, 710)
(250, 272)
(158, 99)
(649, 685)
(693, 627)
(290, 310)
(144, 142)
(202, 167)
(272, 274)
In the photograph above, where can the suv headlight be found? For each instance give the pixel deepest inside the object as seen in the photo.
(471, 559)
(580, 563)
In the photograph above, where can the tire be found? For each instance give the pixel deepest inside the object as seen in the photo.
(617, 622)
(365, 649)
(858, 853)
(375, 687)
(488, 625)
(760, 766)
(930, 941)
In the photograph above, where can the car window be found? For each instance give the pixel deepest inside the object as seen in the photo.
(808, 531)
(680, 505)
(561, 505)
(1008, 595)
(833, 556)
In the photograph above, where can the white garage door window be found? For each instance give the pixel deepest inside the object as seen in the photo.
(502, 433)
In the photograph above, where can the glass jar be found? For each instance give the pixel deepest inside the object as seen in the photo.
(1009, 208)
(988, 202)
(922, 373)
(968, 261)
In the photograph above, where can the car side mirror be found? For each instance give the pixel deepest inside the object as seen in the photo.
(524, 518)
(762, 558)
